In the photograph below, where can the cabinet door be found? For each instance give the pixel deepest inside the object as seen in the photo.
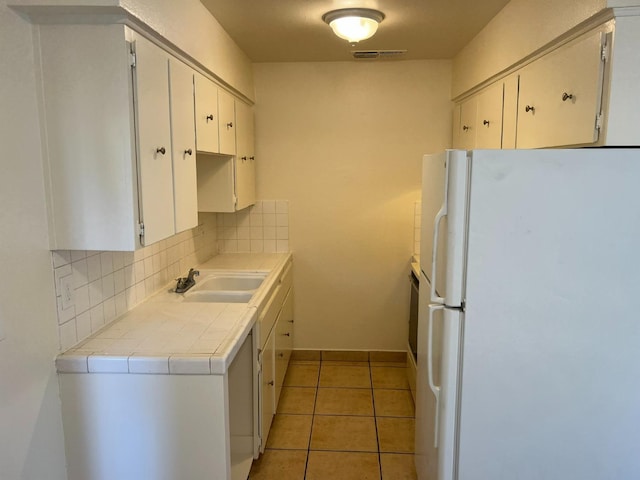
(185, 186)
(206, 104)
(267, 389)
(456, 140)
(510, 111)
(467, 133)
(226, 123)
(560, 95)
(284, 343)
(154, 141)
(245, 159)
(489, 117)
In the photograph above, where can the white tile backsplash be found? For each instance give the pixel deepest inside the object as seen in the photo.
(417, 216)
(108, 284)
(264, 227)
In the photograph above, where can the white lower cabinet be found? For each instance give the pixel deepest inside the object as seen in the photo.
(283, 340)
(266, 395)
(275, 343)
(160, 427)
(112, 144)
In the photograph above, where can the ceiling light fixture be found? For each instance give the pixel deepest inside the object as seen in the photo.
(354, 24)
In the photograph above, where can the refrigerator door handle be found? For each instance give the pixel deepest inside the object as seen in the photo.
(434, 388)
(434, 253)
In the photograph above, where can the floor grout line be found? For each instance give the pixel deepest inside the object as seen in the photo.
(314, 413)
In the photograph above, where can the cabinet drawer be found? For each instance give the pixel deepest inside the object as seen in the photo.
(267, 317)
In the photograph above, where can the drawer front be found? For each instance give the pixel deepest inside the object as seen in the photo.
(268, 315)
(283, 342)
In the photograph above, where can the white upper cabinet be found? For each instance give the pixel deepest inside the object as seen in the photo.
(245, 159)
(151, 76)
(227, 122)
(468, 125)
(560, 95)
(206, 93)
(185, 185)
(112, 159)
(226, 183)
(489, 117)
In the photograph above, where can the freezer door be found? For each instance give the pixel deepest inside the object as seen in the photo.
(443, 233)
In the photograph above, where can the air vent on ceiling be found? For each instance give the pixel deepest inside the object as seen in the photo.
(377, 54)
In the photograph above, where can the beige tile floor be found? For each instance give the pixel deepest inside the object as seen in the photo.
(343, 417)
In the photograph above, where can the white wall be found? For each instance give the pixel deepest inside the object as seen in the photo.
(31, 440)
(343, 143)
(519, 29)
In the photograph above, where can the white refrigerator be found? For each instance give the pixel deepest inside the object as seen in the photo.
(529, 332)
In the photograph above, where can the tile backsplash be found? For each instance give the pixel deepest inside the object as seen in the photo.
(104, 285)
(263, 227)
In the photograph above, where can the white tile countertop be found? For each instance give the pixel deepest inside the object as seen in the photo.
(165, 335)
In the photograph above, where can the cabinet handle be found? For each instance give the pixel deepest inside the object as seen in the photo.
(485, 122)
(465, 128)
(566, 96)
(209, 117)
(529, 108)
(271, 383)
(230, 125)
(252, 158)
(188, 152)
(161, 150)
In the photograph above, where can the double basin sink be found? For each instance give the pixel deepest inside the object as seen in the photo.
(224, 287)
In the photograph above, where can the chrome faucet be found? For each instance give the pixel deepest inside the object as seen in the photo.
(185, 284)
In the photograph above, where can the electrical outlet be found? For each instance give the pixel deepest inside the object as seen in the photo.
(66, 287)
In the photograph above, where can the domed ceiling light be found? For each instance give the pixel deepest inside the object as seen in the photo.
(354, 24)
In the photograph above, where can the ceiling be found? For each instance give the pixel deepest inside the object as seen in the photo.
(293, 30)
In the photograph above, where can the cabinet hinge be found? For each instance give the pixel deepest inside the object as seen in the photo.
(141, 231)
(599, 121)
(604, 52)
(132, 59)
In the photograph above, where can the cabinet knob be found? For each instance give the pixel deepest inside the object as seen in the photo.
(161, 150)
(252, 158)
(271, 383)
(465, 128)
(281, 355)
(529, 108)
(244, 159)
(286, 334)
(230, 125)
(188, 152)
(566, 96)
(290, 321)
(209, 117)
(485, 122)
